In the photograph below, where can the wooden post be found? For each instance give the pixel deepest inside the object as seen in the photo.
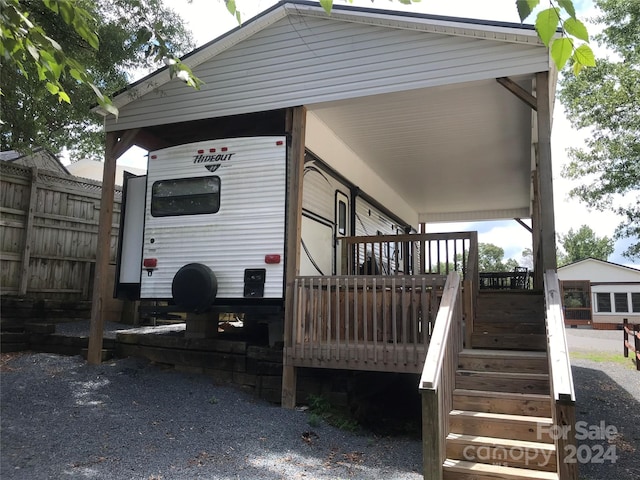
(625, 338)
(94, 354)
(565, 420)
(28, 234)
(296, 126)
(432, 450)
(545, 177)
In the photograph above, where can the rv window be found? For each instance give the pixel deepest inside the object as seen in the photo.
(185, 196)
(342, 218)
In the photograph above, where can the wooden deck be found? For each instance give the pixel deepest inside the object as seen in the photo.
(381, 322)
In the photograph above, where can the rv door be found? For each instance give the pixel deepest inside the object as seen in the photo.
(129, 261)
(343, 229)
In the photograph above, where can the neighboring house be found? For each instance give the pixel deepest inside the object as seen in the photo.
(600, 293)
(92, 169)
(39, 158)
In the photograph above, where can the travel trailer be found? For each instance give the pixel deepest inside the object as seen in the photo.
(205, 228)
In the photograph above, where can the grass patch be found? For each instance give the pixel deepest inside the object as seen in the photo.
(604, 357)
(320, 409)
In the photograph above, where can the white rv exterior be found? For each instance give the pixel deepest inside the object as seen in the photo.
(220, 205)
(248, 226)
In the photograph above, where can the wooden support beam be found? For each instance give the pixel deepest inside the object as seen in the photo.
(524, 225)
(545, 176)
(94, 354)
(296, 127)
(518, 91)
(126, 141)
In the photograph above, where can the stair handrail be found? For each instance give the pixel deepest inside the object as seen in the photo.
(563, 392)
(438, 377)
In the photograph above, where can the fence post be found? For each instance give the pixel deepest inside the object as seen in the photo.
(636, 341)
(28, 233)
(625, 324)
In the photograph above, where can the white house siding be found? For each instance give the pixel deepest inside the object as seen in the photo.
(301, 60)
(606, 278)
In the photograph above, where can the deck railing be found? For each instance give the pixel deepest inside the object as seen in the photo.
(438, 378)
(412, 254)
(562, 390)
(367, 322)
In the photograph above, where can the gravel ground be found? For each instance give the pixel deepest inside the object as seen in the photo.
(129, 419)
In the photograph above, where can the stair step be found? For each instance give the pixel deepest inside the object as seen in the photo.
(504, 360)
(519, 427)
(502, 402)
(510, 341)
(521, 327)
(461, 470)
(502, 451)
(513, 382)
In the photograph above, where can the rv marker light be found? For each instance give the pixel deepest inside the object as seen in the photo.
(150, 263)
(200, 151)
(212, 150)
(224, 149)
(273, 258)
(153, 157)
(279, 142)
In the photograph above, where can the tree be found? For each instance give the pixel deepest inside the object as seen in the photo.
(604, 100)
(26, 46)
(32, 116)
(490, 259)
(584, 244)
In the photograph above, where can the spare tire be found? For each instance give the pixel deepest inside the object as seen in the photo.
(194, 287)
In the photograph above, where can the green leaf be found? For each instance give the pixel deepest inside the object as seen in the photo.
(561, 50)
(109, 108)
(585, 55)
(89, 35)
(53, 89)
(51, 5)
(576, 28)
(546, 24)
(577, 66)
(231, 6)
(63, 97)
(33, 51)
(67, 12)
(327, 5)
(525, 7)
(568, 7)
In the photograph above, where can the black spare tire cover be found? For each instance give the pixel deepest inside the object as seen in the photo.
(194, 287)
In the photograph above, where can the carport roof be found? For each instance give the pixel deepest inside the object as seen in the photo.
(454, 151)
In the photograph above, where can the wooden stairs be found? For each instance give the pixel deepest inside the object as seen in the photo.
(501, 416)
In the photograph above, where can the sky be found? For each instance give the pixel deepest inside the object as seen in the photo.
(208, 19)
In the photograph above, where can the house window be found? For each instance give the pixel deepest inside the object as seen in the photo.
(635, 302)
(621, 302)
(603, 301)
(185, 196)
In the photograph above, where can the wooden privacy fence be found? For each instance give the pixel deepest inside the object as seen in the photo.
(364, 322)
(634, 332)
(49, 233)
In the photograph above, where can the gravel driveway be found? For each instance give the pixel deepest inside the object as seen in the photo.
(128, 419)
